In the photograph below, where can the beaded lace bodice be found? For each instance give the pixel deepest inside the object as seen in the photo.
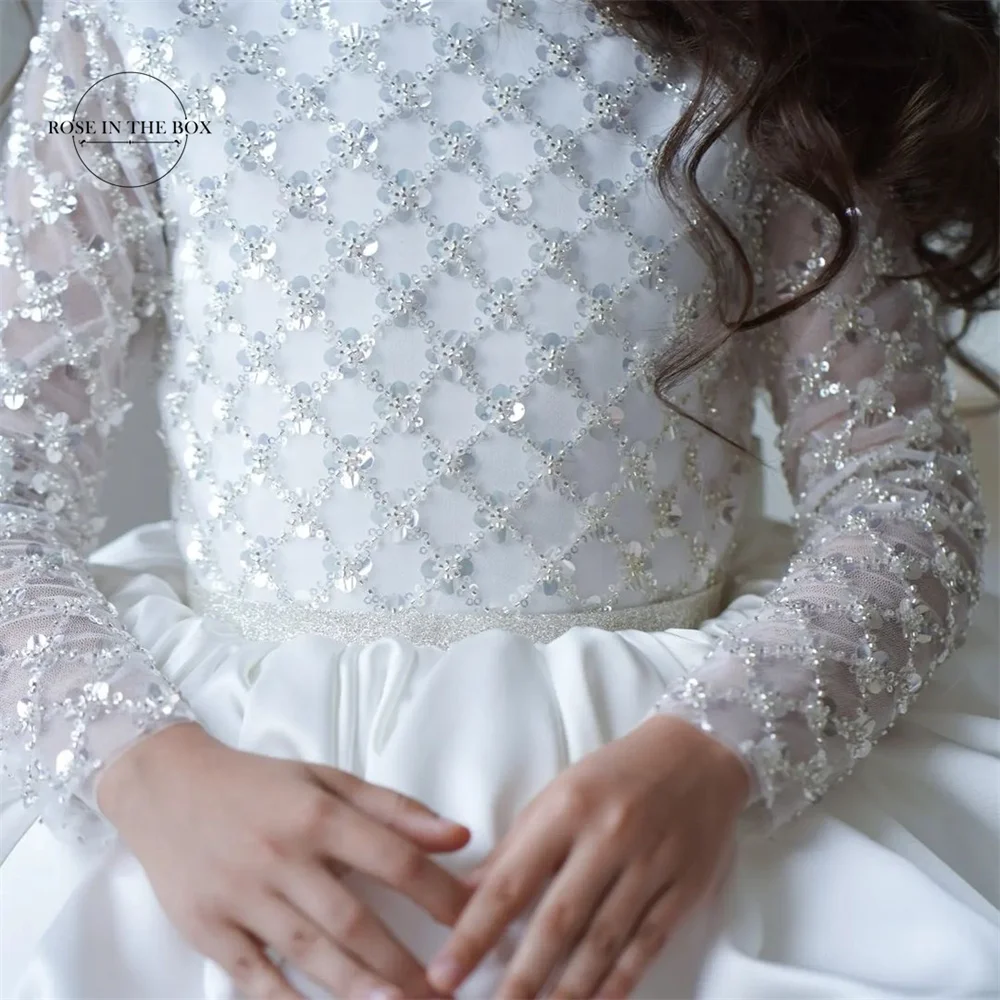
(408, 285)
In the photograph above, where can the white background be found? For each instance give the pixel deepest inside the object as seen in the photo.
(136, 489)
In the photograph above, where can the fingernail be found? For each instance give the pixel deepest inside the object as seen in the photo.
(444, 973)
(385, 993)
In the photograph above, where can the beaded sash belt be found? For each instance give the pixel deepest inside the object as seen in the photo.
(277, 621)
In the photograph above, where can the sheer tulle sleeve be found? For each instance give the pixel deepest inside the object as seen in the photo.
(889, 524)
(81, 261)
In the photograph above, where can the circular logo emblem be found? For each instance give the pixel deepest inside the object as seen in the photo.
(120, 148)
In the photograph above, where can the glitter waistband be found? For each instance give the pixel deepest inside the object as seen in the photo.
(277, 621)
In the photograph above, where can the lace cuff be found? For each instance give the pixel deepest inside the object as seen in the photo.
(80, 261)
(889, 522)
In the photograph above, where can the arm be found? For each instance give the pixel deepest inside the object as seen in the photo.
(80, 259)
(889, 525)
(877, 594)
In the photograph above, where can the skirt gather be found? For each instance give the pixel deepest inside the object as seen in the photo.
(889, 887)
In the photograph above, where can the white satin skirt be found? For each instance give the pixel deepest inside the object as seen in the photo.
(888, 888)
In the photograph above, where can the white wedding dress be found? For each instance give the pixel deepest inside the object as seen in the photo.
(430, 522)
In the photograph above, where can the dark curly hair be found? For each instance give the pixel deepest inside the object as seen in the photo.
(838, 96)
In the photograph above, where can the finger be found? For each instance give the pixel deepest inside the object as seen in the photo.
(611, 928)
(352, 925)
(407, 816)
(277, 921)
(475, 877)
(477, 873)
(529, 856)
(367, 846)
(559, 920)
(647, 942)
(243, 958)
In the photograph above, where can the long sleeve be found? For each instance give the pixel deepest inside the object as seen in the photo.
(888, 521)
(81, 262)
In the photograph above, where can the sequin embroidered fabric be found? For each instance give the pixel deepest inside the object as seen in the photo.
(409, 289)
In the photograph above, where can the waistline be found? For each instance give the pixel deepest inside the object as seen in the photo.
(278, 621)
